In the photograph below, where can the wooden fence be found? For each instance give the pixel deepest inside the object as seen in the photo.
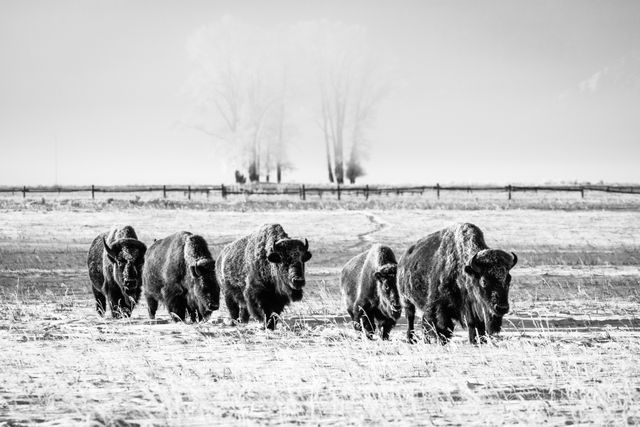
(302, 191)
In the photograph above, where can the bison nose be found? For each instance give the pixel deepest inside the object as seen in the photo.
(502, 309)
(214, 307)
(298, 282)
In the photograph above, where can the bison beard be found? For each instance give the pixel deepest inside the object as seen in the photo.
(452, 275)
(260, 274)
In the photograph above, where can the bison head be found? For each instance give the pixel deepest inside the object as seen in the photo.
(490, 270)
(291, 254)
(206, 290)
(127, 256)
(388, 290)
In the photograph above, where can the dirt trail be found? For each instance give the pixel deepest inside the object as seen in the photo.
(364, 239)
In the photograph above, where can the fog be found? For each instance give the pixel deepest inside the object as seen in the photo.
(125, 92)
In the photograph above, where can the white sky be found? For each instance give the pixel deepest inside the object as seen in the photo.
(488, 91)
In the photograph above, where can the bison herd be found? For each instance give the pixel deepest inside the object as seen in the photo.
(450, 275)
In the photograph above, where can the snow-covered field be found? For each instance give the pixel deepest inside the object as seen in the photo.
(569, 352)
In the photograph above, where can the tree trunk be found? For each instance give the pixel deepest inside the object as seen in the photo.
(339, 160)
(329, 166)
(253, 172)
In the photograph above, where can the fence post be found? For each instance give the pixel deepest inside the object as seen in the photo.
(438, 190)
(582, 192)
(24, 191)
(304, 192)
(223, 191)
(93, 192)
(366, 192)
(189, 192)
(509, 189)
(338, 191)
(164, 191)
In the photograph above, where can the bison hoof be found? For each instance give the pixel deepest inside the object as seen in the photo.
(412, 338)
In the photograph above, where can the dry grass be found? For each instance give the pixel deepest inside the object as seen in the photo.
(568, 355)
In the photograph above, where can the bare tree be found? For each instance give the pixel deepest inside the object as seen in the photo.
(236, 87)
(248, 81)
(348, 93)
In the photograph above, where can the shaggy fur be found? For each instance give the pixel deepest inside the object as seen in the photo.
(180, 272)
(369, 290)
(453, 275)
(115, 270)
(262, 273)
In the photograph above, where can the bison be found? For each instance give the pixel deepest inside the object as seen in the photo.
(262, 273)
(452, 275)
(370, 292)
(180, 272)
(115, 263)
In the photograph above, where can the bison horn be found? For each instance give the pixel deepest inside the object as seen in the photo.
(306, 244)
(110, 252)
(278, 243)
(474, 264)
(515, 259)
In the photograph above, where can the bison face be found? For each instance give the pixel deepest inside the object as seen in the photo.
(206, 290)
(291, 255)
(387, 288)
(490, 270)
(127, 257)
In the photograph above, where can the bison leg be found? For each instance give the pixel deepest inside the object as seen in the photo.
(118, 304)
(354, 321)
(410, 312)
(272, 312)
(477, 330)
(193, 314)
(437, 325)
(271, 320)
(101, 301)
(177, 307)
(152, 306)
(386, 327)
(366, 321)
(495, 325)
(232, 306)
(244, 314)
(253, 305)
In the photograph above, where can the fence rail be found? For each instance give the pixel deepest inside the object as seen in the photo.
(303, 190)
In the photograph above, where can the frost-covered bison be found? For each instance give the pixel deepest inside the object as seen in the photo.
(262, 273)
(370, 292)
(452, 275)
(180, 272)
(115, 263)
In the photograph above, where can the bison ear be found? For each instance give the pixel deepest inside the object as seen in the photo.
(515, 259)
(112, 254)
(194, 271)
(377, 276)
(306, 256)
(274, 257)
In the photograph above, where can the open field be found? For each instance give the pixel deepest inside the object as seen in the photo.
(568, 355)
